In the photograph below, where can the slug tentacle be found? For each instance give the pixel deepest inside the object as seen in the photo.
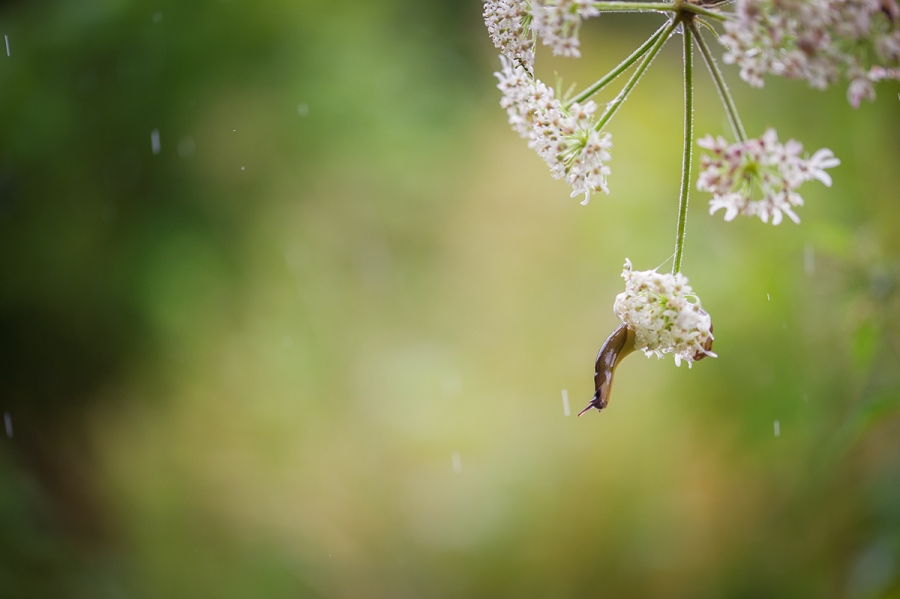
(618, 345)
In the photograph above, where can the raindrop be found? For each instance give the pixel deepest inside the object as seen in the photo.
(154, 141)
(6, 39)
(768, 297)
(809, 260)
(565, 398)
(456, 461)
(777, 428)
(7, 420)
(242, 168)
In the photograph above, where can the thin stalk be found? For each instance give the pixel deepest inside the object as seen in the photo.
(688, 147)
(724, 94)
(635, 6)
(613, 106)
(623, 66)
(699, 10)
(660, 7)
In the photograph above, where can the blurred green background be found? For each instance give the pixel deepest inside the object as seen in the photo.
(316, 345)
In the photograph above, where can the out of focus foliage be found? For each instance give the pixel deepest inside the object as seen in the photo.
(315, 345)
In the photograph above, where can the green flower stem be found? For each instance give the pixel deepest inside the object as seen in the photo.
(635, 6)
(724, 94)
(688, 146)
(613, 106)
(660, 7)
(699, 10)
(623, 66)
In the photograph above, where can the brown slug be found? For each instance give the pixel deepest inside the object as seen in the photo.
(618, 345)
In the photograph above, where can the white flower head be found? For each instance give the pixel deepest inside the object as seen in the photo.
(665, 315)
(822, 41)
(557, 23)
(508, 25)
(734, 173)
(565, 138)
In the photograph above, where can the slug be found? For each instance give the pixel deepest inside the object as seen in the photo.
(618, 345)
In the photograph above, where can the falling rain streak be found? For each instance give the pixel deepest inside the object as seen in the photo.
(565, 398)
(154, 141)
(6, 39)
(777, 428)
(7, 420)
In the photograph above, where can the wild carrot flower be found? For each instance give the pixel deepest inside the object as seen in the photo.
(564, 137)
(733, 173)
(665, 315)
(821, 41)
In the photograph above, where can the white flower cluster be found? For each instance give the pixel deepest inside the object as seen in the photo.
(731, 172)
(557, 23)
(665, 315)
(821, 41)
(564, 138)
(508, 25)
(513, 23)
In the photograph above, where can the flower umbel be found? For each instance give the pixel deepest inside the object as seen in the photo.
(734, 172)
(564, 138)
(821, 41)
(665, 315)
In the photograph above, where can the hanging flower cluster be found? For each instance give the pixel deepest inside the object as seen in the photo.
(821, 41)
(565, 138)
(665, 315)
(734, 173)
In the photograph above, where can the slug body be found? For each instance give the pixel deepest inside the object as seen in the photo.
(618, 345)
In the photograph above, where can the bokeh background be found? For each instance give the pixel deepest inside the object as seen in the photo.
(287, 310)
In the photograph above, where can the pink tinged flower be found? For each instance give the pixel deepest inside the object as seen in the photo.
(759, 177)
(665, 315)
(821, 41)
(860, 89)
